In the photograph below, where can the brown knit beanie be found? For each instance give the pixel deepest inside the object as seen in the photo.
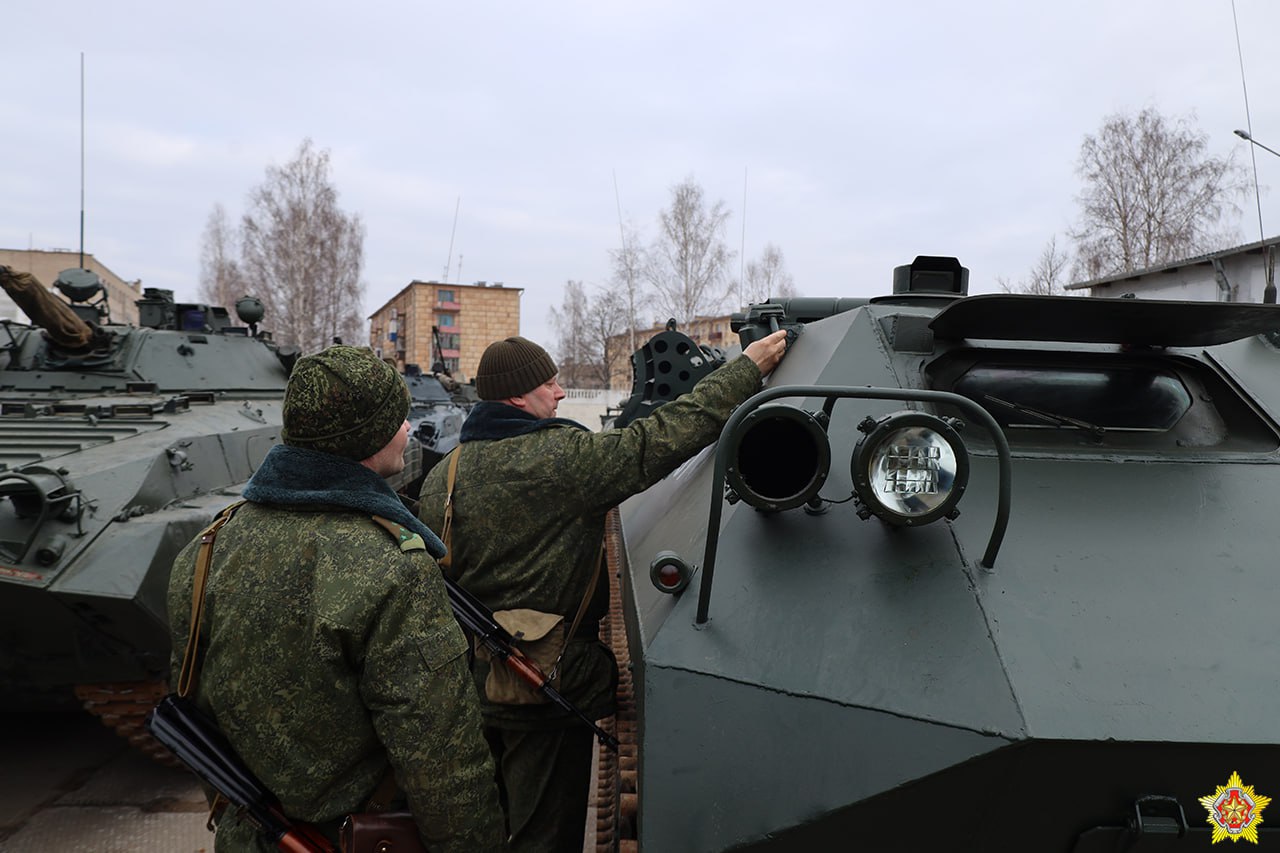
(512, 367)
(345, 401)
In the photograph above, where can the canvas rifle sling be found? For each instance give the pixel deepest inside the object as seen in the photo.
(204, 559)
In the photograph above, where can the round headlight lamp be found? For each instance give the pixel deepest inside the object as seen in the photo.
(909, 469)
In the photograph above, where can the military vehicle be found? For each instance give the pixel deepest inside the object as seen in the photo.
(118, 443)
(439, 406)
(979, 573)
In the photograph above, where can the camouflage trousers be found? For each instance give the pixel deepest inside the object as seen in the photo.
(544, 782)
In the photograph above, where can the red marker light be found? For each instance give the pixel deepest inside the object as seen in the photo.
(669, 573)
(669, 576)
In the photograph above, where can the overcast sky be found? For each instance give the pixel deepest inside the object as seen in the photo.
(858, 134)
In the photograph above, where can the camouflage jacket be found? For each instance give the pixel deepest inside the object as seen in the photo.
(330, 651)
(529, 505)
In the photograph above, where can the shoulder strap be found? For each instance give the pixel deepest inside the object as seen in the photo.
(204, 559)
(405, 538)
(446, 532)
(591, 588)
(582, 609)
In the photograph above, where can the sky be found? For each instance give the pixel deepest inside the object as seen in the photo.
(504, 141)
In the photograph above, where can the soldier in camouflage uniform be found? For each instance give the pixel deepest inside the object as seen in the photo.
(331, 653)
(529, 502)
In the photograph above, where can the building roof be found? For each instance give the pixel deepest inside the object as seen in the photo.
(479, 285)
(1133, 275)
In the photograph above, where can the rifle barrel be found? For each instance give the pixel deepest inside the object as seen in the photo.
(191, 736)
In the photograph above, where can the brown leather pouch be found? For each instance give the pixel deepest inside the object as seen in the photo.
(380, 832)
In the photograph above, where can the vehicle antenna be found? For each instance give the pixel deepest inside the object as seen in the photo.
(449, 261)
(1269, 291)
(626, 260)
(742, 254)
(81, 159)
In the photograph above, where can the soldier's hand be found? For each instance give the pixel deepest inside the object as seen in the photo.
(768, 351)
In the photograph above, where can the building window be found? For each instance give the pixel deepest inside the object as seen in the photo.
(446, 320)
(444, 295)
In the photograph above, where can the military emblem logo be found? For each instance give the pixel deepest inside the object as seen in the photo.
(1235, 810)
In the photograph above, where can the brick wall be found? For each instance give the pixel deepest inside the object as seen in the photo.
(480, 315)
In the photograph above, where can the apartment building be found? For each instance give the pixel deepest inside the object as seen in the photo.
(467, 317)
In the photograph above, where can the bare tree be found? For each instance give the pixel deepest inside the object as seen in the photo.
(305, 254)
(629, 264)
(220, 280)
(1046, 277)
(687, 263)
(584, 323)
(570, 323)
(1152, 194)
(767, 278)
(607, 317)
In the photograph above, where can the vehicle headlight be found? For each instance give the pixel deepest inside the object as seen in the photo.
(910, 468)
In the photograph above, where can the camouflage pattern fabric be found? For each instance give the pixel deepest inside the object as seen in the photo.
(528, 518)
(329, 652)
(345, 401)
(557, 765)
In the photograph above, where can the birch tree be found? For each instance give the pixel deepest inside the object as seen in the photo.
(688, 262)
(767, 278)
(629, 265)
(1049, 275)
(304, 254)
(584, 323)
(221, 282)
(1152, 194)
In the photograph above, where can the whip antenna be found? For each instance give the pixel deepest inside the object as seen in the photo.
(449, 261)
(1269, 291)
(82, 160)
(742, 252)
(626, 260)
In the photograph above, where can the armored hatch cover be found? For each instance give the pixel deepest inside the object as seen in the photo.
(1088, 319)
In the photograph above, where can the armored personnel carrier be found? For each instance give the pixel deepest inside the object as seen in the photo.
(439, 405)
(972, 573)
(117, 445)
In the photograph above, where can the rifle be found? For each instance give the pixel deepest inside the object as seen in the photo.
(195, 739)
(478, 619)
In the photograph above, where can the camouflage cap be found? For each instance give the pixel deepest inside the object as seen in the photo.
(345, 401)
(512, 367)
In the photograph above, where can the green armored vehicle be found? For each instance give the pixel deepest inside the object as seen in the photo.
(118, 444)
(438, 406)
(972, 573)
